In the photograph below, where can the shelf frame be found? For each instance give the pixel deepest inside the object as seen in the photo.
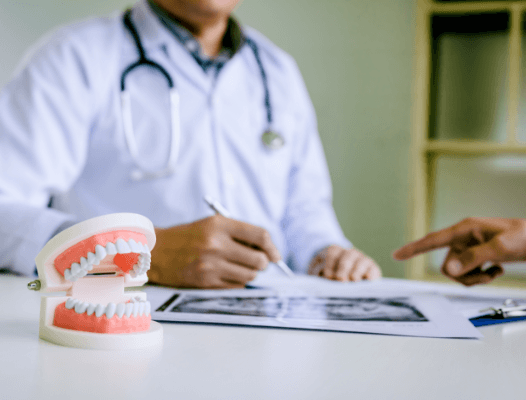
(425, 151)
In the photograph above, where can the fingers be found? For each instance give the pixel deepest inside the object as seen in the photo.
(466, 266)
(463, 231)
(216, 273)
(479, 276)
(458, 264)
(351, 265)
(344, 265)
(317, 264)
(374, 272)
(238, 253)
(431, 241)
(364, 268)
(254, 236)
(236, 276)
(330, 257)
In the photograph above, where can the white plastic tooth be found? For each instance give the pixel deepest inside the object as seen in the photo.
(100, 252)
(67, 274)
(141, 247)
(121, 307)
(80, 307)
(82, 273)
(147, 308)
(99, 310)
(70, 303)
(145, 260)
(73, 278)
(92, 260)
(110, 310)
(111, 249)
(145, 266)
(134, 246)
(129, 309)
(146, 249)
(135, 309)
(83, 263)
(75, 269)
(91, 309)
(141, 308)
(122, 246)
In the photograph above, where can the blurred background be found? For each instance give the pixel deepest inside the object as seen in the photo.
(358, 61)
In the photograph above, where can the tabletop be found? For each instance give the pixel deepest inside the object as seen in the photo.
(224, 362)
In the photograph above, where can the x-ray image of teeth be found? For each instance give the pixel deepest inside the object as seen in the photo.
(304, 307)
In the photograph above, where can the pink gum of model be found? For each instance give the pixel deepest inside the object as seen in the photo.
(69, 319)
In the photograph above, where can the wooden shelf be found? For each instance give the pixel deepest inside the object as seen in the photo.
(466, 147)
(445, 125)
(473, 7)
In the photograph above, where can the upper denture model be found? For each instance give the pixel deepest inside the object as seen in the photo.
(94, 261)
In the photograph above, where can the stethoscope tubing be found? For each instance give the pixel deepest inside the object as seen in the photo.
(175, 126)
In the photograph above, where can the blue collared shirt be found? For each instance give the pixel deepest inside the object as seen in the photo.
(232, 41)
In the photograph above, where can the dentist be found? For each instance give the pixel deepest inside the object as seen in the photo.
(150, 110)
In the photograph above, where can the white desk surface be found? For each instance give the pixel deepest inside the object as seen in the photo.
(219, 362)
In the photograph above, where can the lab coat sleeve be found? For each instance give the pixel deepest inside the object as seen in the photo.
(44, 128)
(310, 223)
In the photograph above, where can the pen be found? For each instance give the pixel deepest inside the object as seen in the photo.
(221, 210)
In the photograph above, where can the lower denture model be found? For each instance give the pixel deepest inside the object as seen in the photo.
(93, 262)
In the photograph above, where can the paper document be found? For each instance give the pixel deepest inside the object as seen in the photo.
(470, 302)
(334, 309)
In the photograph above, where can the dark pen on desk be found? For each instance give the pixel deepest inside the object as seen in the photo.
(219, 209)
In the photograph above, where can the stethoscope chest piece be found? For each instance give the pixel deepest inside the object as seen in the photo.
(272, 140)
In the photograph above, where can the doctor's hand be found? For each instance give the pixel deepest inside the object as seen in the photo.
(215, 252)
(340, 264)
(472, 243)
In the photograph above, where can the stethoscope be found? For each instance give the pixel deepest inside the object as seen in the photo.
(271, 139)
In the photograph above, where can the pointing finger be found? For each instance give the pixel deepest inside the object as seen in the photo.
(438, 239)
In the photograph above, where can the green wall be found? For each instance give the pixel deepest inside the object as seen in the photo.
(356, 58)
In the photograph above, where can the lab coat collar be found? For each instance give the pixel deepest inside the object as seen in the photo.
(157, 39)
(153, 35)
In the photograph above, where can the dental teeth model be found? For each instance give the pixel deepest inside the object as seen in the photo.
(93, 262)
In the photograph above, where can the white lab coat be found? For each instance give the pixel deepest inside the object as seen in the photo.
(61, 135)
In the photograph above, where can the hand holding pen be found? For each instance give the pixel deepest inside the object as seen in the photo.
(214, 252)
(219, 209)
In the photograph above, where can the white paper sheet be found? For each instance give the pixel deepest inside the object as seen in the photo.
(315, 304)
(470, 302)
